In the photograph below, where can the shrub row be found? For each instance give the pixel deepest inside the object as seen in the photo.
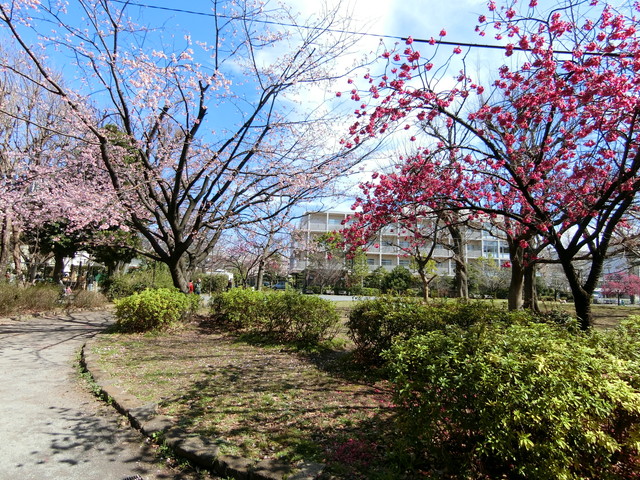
(520, 400)
(374, 325)
(286, 316)
(154, 309)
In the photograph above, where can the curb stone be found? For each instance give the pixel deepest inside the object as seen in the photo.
(199, 450)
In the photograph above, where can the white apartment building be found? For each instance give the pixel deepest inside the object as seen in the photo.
(386, 250)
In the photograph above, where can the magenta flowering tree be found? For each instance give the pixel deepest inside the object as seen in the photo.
(621, 283)
(201, 133)
(552, 148)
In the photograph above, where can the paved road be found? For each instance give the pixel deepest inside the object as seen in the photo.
(50, 425)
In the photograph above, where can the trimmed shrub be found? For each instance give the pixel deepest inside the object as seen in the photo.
(286, 316)
(240, 308)
(365, 291)
(374, 324)
(156, 309)
(516, 401)
(398, 280)
(298, 318)
(136, 281)
(214, 283)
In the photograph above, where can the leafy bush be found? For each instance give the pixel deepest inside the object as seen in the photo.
(298, 318)
(214, 283)
(153, 309)
(136, 281)
(44, 297)
(240, 308)
(286, 316)
(15, 299)
(365, 291)
(374, 324)
(516, 401)
(398, 280)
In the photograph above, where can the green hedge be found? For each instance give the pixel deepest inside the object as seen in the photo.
(374, 324)
(287, 316)
(155, 309)
(518, 401)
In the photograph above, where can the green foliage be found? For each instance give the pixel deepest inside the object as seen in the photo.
(374, 324)
(516, 400)
(300, 318)
(214, 283)
(285, 316)
(150, 276)
(240, 308)
(365, 291)
(374, 279)
(398, 280)
(155, 309)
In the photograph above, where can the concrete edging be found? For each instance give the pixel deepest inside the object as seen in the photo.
(197, 450)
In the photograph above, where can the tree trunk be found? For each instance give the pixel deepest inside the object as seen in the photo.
(516, 286)
(462, 280)
(58, 266)
(425, 285)
(260, 274)
(530, 290)
(582, 304)
(462, 277)
(178, 275)
(17, 252)
(5, 243)
(582, 297)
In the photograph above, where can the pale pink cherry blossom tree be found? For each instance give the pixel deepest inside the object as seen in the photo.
(46, 174)
(258, 248)
(554, 145)
(194, 151)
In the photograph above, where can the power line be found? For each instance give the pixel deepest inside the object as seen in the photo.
(267, 22)
(363, 34)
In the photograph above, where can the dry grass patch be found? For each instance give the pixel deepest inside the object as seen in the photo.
(259, 401)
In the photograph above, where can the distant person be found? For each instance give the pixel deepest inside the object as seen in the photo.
(198, 287)
(190, 287)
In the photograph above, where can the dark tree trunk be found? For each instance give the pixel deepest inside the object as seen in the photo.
(516, 286)
(582, 295)
(178, 275)
(5, 243)
(260, 275)
(530, 290)
(58, 266)
(462, 277)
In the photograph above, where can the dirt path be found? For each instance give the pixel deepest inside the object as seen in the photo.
(52, 427)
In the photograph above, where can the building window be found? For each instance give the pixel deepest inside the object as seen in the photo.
(490, 248)
(403, 262)
(386, 262)
(371, 261)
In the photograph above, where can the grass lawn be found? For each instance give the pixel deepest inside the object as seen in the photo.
(267, 401)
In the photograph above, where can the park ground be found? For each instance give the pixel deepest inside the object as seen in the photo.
(264, 401)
